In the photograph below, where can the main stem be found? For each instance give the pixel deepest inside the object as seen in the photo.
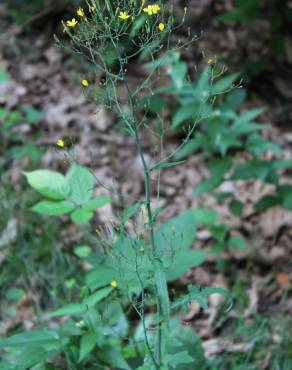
(155, 257)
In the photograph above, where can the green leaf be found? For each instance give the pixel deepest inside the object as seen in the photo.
(219, 232)
(95, 203)
(31, 357)
(162, 291)
(173, 360)
(205, 216)
(33, 115)
(178, 73)
(73, 309)
(4, 75)
(260, 169)
(183, 261)
(285, 192)
(224, 84)
(131, 211)
(192, 146)
(165, 165)
(266, 202)
(237, 242)
(49, 183)
(186, 112)
(176, 233)
(81, 216)
(219, 167)
(236, 207)
(87, 343)
(51, 208)
(153, 103)
(256, 145)
(82, 251)
(97, 296)
(101, 276)
(110, 355)
(80, 181)
(249, 116)
(30, 338)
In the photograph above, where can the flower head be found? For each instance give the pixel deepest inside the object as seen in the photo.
(114, 283)
(161, 27)
(123, 16)
(60, 143)
(72, 23)
(155, 8)
(80, 12)
(210, 61)
(85, 83)
(152, 9)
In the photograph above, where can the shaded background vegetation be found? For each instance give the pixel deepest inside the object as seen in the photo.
(250, 223)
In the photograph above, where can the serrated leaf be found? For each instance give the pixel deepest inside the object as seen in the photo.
(53, 208)
(80, 181)
(49, 183)
(81, 216)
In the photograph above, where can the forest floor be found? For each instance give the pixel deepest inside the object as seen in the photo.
(45, 77)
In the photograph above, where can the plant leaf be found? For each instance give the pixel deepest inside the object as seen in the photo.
(52, 208)
(80, 182)
(49, 183)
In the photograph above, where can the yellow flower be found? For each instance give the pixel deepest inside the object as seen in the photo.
(152, 9)
(114, 283)
(123, 16)
(155, 8)
(148, 10)
(161, 27)
(60, 143)
(210, 61)
(85, 83)
(72, 23)
(80, 12)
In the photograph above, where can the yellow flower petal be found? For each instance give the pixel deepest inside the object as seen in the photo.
(80, 12)
(114, 283)
(161, 27)
(85, 83)
(123, 16)
(72, 23)
(60, 143)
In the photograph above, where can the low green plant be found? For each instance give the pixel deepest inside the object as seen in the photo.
(124, 316)
(224, 136)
